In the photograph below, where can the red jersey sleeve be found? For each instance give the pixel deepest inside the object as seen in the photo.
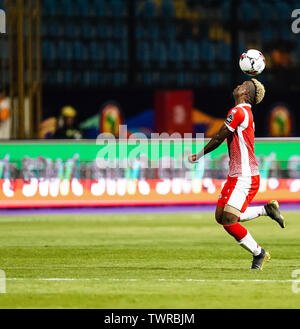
(234, 118)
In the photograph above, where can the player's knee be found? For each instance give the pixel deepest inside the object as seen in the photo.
(229, 219)
(219, 220)
(218, 217)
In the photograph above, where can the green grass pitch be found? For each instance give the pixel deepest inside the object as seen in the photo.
(144, 261)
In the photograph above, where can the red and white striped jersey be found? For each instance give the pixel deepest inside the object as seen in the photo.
(241, 142)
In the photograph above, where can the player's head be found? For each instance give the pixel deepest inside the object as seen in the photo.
(251, 92)
(259, 92)
(69, 114)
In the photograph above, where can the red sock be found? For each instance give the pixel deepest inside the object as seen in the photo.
(236, 230)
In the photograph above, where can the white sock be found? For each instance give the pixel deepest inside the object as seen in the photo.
(250, 244)
(253, 212)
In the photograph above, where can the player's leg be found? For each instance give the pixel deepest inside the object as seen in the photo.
(235, 229)
(228, 216)
(219, 214)
(234, 198)
(252, 212)
(243, 237)
(249, 213)
(271, 209)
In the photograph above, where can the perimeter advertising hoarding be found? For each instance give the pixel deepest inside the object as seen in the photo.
(194, 187)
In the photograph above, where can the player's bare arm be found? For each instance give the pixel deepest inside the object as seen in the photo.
(213, 144)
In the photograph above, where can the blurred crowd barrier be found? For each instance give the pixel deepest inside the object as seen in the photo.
(84, 174)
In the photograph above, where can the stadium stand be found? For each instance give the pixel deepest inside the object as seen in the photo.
(174, 41)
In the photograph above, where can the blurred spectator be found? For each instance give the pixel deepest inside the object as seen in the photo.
(47, 128)
(5, 117)
(66, 125)
(281, 56)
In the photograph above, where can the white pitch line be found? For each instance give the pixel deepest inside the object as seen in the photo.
(133, 280)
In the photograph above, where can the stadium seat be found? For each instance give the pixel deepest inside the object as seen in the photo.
(285, 32)
(160, 54)
(117, 8)
(139, 32)
(225, 9)
(283, 9)
(45, 50)
(170, 32)
(68, 51)
(213, 79)
(207, 51)
(180, 79)
(247, 11)
(154, 32)
(267, 34)
(104, 31)
(224, 52)
(77, 50)
(94, 50)
(48, 8)
(83, 7)
(242, 47)
(100, 7)
(188, 49)
(68, 77)
(167, 9)
(61, 50)
(143, 53)
(101, 42)
(72, 30)
(124, 50)
(195, 54)
(68, 7)
(109, 54)
(87, 78)
(149, 10)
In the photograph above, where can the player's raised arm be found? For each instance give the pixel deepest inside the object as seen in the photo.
(214, 143)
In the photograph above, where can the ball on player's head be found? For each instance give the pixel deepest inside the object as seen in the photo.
(252, 62)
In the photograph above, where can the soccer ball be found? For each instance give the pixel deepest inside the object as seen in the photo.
(252, 62)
